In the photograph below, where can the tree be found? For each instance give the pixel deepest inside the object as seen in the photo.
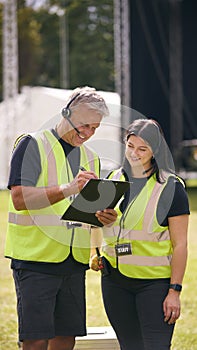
(30, 48)
(90, 43)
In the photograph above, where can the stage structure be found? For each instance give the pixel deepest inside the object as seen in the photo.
(155, 63)
(10, 77)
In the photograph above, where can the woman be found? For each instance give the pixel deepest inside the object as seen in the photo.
(146, 249)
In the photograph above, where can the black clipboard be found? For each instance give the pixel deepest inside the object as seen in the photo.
(97, 194)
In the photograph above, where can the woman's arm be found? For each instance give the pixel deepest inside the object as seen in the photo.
(178, 226)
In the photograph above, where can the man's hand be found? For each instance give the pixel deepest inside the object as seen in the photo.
(94, 263)
(78, 183)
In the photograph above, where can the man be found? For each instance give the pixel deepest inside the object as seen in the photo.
(48, 256)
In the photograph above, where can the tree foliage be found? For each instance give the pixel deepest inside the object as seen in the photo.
(89, 55)
(91, 43)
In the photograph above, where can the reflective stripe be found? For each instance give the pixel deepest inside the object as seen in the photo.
(149, 213)
(90, 157)
(50, 156)
(157, 236)
(142, 251)
(39, 220)
(51, 162)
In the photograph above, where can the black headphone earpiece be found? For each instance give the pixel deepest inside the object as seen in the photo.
(66, 112)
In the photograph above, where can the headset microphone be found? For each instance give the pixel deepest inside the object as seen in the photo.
(66, 113)
(71, 123)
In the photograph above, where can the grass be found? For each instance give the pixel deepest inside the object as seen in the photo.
(185, 336)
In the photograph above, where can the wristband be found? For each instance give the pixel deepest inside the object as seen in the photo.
(176, 287)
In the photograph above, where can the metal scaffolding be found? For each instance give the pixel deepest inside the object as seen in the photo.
(10, 50)
(10, 81)
(122, 65)
(122, 49)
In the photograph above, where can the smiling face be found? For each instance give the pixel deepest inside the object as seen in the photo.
(86, 120)
(138, 154)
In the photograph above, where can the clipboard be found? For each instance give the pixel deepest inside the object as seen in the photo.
(97, 194)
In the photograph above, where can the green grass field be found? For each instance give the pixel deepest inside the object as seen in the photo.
(185, 336)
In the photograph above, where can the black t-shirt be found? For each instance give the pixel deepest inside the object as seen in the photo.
(25, 170)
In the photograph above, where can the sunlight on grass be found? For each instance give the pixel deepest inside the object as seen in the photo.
(96, 316)
(185, 336)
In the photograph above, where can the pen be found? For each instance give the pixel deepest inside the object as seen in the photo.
(98, 252)
(82, 168)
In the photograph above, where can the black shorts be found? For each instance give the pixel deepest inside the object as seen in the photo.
(50, 305)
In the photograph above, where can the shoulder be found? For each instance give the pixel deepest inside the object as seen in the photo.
(24, 143)
(176, 193)
(25, 150)
(21, 140)
(175, 187)
(176, 184)
(25, 162)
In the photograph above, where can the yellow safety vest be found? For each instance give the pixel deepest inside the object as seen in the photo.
(150, 243)
(40, 235)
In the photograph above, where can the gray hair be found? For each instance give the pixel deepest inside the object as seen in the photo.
(89, 96)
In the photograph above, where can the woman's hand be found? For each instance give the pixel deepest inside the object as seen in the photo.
(171, 306)
(107, 216)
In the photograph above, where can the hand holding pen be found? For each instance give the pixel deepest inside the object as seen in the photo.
(84, 176)
(76, 185)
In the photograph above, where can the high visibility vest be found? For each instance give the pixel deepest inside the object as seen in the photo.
(40, 235)
(149, 241)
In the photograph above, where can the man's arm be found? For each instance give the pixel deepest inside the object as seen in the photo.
(28, 197)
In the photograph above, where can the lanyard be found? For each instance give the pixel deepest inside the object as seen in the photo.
(124, 215)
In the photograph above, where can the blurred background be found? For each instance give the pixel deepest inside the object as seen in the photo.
(141, 55)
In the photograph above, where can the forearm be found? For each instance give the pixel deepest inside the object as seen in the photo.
(25, 197)
(171, 304)
(178, 264)
(178, 233)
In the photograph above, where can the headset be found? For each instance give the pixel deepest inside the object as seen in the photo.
(66, 113)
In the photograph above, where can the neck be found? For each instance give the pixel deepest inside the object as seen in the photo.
(139, 172)
(145, 172)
